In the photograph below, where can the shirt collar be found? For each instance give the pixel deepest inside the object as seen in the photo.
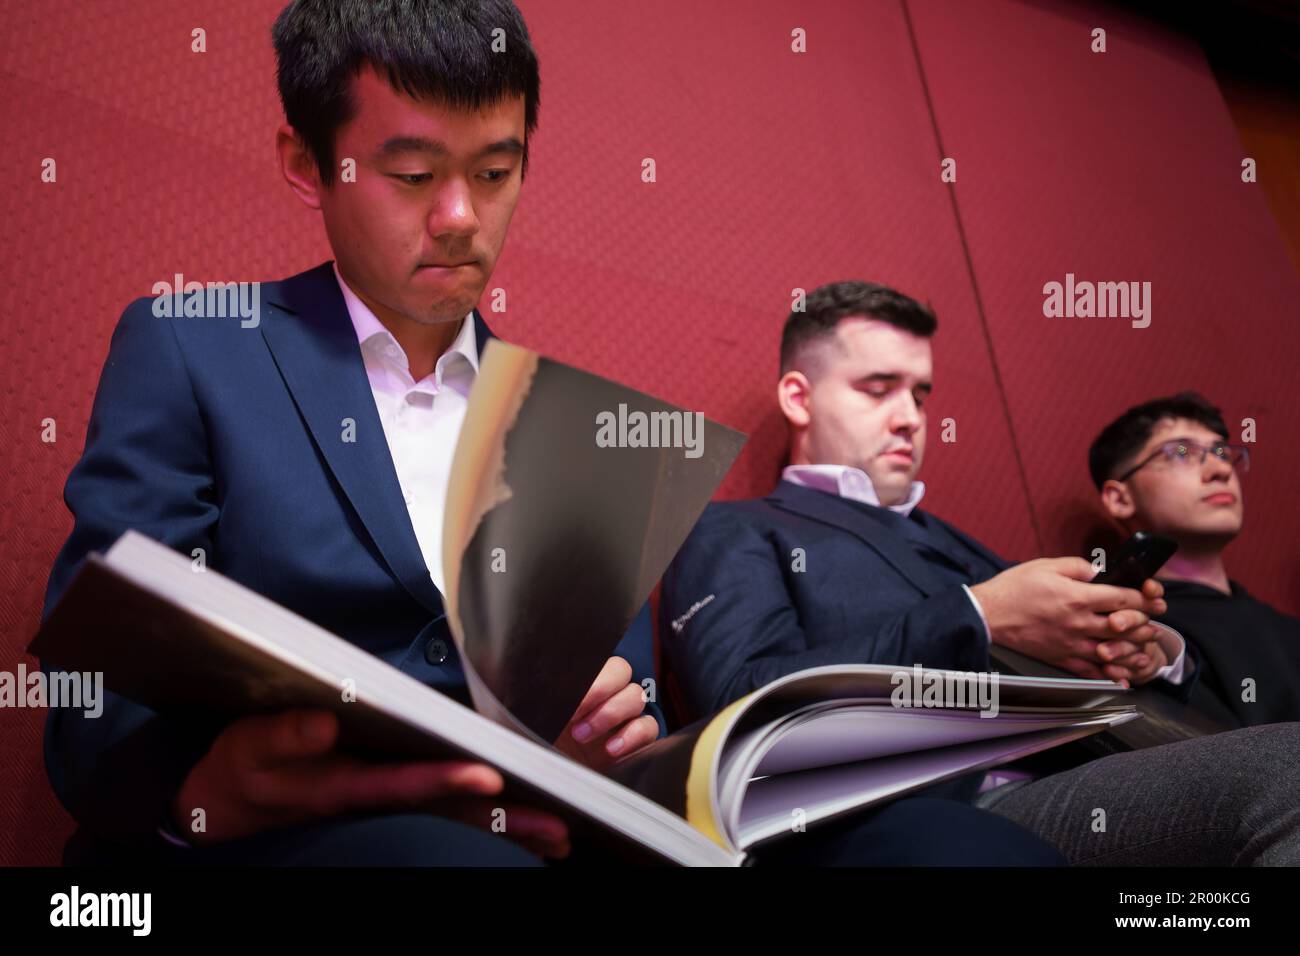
(848, 482)
(375, 337)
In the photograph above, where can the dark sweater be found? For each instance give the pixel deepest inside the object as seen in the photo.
(1233, 637)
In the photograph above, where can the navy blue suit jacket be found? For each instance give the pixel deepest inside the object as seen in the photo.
(741, 607)
(207, 434)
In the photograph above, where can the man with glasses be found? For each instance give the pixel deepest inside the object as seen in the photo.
(1167, 466)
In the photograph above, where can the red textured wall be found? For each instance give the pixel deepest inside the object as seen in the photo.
(1118, 166)
(775, 170)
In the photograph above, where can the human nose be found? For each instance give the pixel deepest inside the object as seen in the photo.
(453, 211)
(1215, 468)
(907, 414)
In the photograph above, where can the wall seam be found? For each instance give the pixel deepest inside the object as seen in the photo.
(974, 283)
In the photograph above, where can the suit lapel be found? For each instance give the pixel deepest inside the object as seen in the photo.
(314, 343)
(996, 560)
(827, 509)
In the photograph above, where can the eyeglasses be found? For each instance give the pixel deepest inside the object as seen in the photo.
(1180, 452)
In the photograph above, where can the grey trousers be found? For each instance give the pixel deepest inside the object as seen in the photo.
(1229, 799)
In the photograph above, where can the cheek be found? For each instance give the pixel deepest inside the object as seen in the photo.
(1159, 501)
(378, 210)
(875, 429)
(859, 422)
(1180, 497)
(494, 225)
(353, 217)
(832, 431)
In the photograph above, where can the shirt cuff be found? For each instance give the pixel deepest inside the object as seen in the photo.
(988, 635)
(1175, 648)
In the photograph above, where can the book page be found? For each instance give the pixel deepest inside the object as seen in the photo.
(569, 495)
(769, 804)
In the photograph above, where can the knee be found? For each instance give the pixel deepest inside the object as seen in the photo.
(1282, 740)
(1266, 755)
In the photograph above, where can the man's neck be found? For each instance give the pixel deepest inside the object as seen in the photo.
(423, 343)
(1199, 567)
(799, 458)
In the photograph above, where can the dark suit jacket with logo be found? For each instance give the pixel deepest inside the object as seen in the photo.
(802, 578)
(208, 434)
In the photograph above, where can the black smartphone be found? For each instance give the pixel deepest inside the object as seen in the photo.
(1140, 558)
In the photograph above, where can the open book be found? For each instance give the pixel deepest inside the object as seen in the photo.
(1166, 720)
(584, 529)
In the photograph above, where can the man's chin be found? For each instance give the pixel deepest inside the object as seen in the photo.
(892, 493)
(1223, 531)
(896, 480)
(441, 312)
(1206, 534)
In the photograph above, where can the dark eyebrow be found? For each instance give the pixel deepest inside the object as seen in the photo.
(421, 144)
(890, 378)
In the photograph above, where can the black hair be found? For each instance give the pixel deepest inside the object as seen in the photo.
(1124, 437)
(827, 304)
(440, 49)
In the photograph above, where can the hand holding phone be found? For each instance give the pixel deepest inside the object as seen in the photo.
(1141, 557)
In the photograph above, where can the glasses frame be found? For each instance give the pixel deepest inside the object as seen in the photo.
(1241, 451)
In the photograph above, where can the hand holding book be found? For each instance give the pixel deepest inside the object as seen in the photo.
(608, 724)
(270, 771)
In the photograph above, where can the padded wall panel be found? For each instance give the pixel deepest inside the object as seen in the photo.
(1117, 166)
(775, 170)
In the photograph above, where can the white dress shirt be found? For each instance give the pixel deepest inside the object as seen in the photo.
(421, 420)
(854, 483)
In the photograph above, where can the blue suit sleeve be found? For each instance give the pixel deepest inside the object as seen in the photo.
(731, 624)
(145, 466)
(637, 648)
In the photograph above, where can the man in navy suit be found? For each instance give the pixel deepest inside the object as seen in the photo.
(839, 565)
(304, 452)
